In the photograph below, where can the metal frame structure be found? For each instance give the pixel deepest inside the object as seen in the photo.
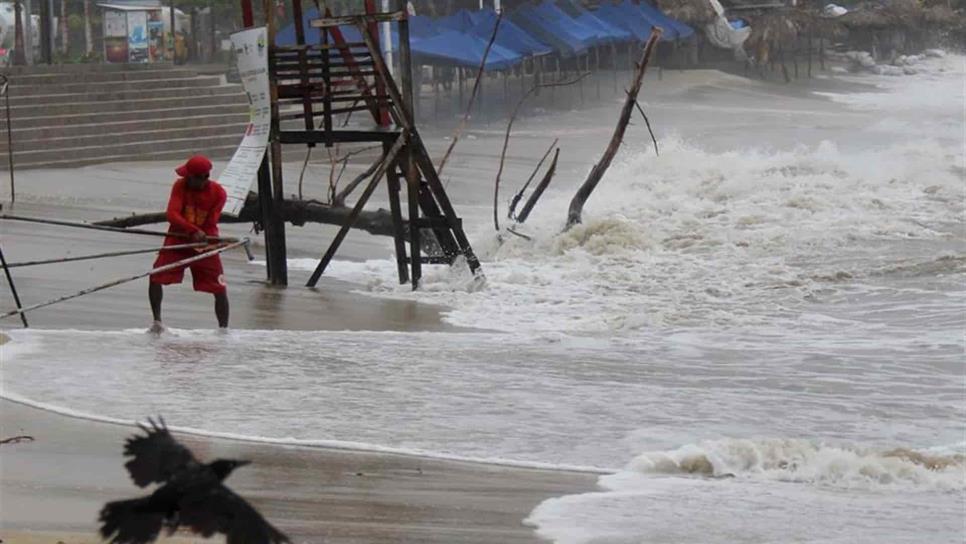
(313, 83)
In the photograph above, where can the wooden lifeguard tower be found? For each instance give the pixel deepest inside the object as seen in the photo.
(314, 82)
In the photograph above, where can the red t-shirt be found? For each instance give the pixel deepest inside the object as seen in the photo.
(194, 210)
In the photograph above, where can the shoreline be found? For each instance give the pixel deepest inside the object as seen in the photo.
(312, 493)
(325, 445)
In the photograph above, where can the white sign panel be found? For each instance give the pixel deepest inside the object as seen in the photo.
(251, 51)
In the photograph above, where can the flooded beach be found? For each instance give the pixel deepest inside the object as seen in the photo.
(756, 336)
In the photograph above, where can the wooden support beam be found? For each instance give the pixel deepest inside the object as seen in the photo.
(387, 17)
(395, 208)
(337, 136)
(278, 252)
(386, 162)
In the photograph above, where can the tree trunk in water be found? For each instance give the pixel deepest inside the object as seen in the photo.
(583, 193)
(297, 212)
(88, 35)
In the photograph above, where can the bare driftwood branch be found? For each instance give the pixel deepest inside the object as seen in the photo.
(17, 439)
(541, 187)
(519, 195)
(469, 106)
(597, 172)
(506, 137)
(297, 212)
(648, 123)
(339, 199)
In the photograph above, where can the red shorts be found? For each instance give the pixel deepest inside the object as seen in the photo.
(207, 275)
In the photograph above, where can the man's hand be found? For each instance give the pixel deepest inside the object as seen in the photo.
(199, 236)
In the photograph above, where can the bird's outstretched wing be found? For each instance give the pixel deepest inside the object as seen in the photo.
(217, 509)
(156, 455)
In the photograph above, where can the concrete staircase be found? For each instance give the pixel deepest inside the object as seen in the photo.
(74, 115)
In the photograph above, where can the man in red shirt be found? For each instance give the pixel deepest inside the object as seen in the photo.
(193, 209)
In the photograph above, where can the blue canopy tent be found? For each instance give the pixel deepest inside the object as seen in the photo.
(636, 24)
(592, 36)
(509, 35)
(613, 33)
(420, 27)
(630, 9)
(562, 39)
(658, 18)
(451, 48)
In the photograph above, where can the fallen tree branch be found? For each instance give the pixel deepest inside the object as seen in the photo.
(17, 439)
(469, 106)
(541, 187)
(519, 195)
(648, 123)
(297, 212)
(506, 137)
(597, 172)
(339, 199)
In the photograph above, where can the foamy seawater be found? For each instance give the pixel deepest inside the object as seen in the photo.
(754, 345)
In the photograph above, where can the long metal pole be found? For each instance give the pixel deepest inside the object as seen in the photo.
(107, 255)
(165, 268)
(13, 289)
(5, 90)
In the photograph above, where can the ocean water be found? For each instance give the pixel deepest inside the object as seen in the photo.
(756, 344)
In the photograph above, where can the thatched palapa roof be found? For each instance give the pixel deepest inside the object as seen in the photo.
(692, 12)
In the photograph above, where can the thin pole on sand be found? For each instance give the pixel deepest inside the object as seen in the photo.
(13, 289)
(115, 283)
(107, 255)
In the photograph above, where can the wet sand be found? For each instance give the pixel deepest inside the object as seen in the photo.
(57, 483)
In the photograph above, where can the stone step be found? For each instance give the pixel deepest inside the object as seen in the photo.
(216, 152)
(110, 140)
(26, 80)
(106, 86)
(141, 150)
(110, 108)
(53, 96)
(147, 115)
(82, 68)
(124, 127)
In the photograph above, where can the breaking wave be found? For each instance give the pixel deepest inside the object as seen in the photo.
(803, 461)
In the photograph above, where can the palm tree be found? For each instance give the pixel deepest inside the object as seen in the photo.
(88, 37)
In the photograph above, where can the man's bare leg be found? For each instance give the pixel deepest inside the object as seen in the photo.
(155, 294)
(221, 309)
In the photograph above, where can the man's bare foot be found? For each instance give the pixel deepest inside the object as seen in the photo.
(157, 328)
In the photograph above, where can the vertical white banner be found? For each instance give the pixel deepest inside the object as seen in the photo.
(251, 52)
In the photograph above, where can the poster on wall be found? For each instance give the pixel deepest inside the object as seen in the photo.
(115, 24)
(251, 52)
(155, 36)
(137, 36)
(115, 36)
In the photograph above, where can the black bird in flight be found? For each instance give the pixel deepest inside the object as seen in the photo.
(192, 495)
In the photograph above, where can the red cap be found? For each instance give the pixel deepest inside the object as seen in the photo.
(198, 165)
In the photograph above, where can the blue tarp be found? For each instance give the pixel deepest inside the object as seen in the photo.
(660, 19)
(589, 34)
(562, 39)
(454, 48)
(612, 33)
(634, 12)
(420, 27)
(637, 25)
(509, 35)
